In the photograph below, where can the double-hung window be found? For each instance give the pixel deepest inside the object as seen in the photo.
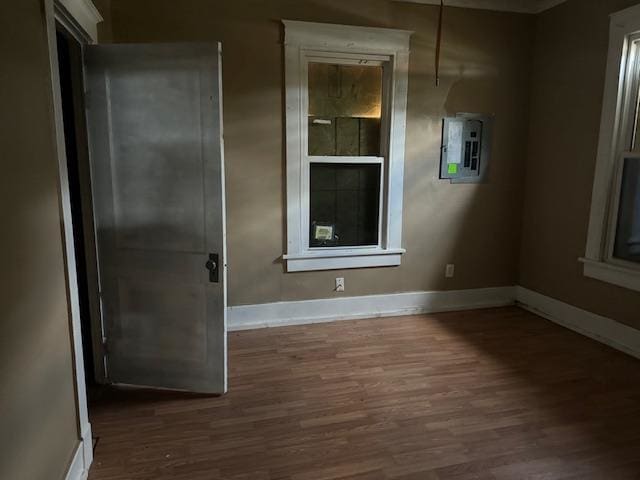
(346, 94)
(613, 245)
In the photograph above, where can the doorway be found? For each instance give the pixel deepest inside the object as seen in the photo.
(78, 171)
(139, 128)
(145, 237)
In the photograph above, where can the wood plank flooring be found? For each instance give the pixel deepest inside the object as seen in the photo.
(490, 394)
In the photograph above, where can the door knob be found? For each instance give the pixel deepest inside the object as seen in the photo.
(212, 266)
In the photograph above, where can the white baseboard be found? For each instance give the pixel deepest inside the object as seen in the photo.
(82, 458)
(603, 329)
(597, 327)
(246, 317)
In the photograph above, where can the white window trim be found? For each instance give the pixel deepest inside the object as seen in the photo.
(304, 40)
(80, 17)
(620, 93)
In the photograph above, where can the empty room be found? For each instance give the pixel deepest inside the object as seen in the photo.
(320, 240)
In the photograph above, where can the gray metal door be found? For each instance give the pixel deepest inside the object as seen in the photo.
(155, 127)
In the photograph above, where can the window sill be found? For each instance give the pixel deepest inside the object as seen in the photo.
(617, 275)
(342, 259)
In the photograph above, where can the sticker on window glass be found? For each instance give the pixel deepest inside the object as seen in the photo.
(323, 232)
(453, 168)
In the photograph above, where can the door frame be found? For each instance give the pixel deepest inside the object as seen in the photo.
(81, 18)
(68, 27)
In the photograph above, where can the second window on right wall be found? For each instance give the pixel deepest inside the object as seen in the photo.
(613, 243)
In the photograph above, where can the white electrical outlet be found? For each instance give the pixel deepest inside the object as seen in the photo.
(450, 270)
(339, 284)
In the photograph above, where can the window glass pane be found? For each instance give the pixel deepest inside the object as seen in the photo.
(633, 63)
(627, 241)
(635, 140)
(345, 107)
(344, 204)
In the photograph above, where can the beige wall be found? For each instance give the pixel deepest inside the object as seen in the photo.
(567, 88)
(104, 28)
(38, 425)
(486, 60)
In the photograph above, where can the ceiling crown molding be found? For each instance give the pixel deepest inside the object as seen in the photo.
(543, 5)
(518, 6)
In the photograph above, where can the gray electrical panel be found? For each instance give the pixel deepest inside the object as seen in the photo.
(466, 148)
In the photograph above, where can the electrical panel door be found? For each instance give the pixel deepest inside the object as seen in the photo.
(465, 150)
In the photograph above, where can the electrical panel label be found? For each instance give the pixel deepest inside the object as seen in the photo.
(454, 143)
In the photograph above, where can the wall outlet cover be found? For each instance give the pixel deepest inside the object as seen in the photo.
(450, 270)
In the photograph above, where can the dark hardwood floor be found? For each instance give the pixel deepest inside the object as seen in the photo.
(490, 394)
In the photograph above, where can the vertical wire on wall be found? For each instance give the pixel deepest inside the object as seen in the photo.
(439, 42)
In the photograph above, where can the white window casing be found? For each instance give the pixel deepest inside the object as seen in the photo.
(304, 42)
(80, 17)
(619, 112)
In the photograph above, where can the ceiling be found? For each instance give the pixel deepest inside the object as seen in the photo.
(521, 6)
